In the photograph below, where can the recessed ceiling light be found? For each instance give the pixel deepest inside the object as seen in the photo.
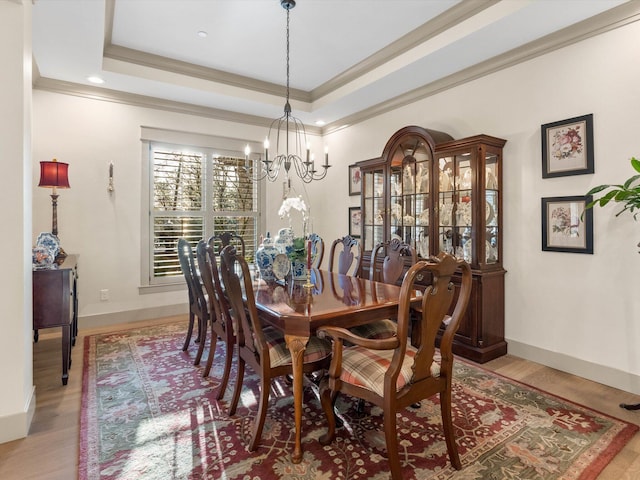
(320, 123)
(95, 79)
(202, 34)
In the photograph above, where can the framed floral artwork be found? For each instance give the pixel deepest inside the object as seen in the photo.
(355, 222)
(567, 147)
(355, 180)
(566, 225)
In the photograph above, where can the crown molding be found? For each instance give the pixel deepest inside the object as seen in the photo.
(610, 20)
(622, 15)
(446, 20)
(149, 60)
(107, 95)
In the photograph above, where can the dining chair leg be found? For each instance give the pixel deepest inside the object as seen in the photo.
(189, 332)
(391, 438)
(447, 425)
(328, 401)
(238, 388)
(228, 359)
(212, 352)
(202, 338)
(263, 403)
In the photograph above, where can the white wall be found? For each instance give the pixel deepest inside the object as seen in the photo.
(17, 401)
(579, 313)
(576, 312)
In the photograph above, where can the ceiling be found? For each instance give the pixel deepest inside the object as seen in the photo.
(349, 59)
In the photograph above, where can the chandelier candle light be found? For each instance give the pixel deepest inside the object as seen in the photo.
(279, 131)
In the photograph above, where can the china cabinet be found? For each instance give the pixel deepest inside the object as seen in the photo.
(436, 193)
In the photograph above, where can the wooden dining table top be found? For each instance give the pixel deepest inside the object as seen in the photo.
(334, 299)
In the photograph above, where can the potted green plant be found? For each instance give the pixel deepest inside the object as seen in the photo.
(627, 194)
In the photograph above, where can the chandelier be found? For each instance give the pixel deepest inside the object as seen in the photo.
(290, 140)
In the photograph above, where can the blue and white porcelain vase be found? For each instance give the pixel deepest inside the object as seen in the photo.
(299, 270)
(284, 240)
(265, 255)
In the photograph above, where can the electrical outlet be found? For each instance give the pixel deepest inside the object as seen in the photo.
(104, 295)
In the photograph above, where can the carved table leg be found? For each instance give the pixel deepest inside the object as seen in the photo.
(296, 346)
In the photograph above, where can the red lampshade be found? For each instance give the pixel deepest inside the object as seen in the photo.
(54, 174)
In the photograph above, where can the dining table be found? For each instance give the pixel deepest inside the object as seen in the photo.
(298, 309)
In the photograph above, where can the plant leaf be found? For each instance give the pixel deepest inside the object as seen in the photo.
(597, 189)
(631, 180)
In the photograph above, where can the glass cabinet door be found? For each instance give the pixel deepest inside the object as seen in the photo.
(469, 200)
(374, 207)
(410, 189)
(455, 205)
(492, 205)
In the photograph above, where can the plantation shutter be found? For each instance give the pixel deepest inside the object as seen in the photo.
(177, 206)
(235, 201)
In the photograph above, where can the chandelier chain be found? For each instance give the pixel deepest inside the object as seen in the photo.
(287, 55)
(287, 124)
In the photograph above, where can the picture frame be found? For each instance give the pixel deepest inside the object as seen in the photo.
(355, 180)
(355, 222)
(567, 147)
(567, 225)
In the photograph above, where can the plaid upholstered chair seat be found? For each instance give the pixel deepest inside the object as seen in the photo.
(366, 368)
(376, 330)
(279, 354)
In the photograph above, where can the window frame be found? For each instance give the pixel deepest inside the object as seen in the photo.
(210, 146)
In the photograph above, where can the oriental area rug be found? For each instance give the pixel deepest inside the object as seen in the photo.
(147, 413)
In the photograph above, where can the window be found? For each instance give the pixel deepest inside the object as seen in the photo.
(195, 192)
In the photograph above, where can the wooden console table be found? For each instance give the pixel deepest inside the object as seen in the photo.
(55, 304)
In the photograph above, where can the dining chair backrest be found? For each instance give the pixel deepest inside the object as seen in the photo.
(197, 301)
(317, 250)
(220, 317)
(345, 256)
(208, 261)
(221, 240)
(238, 287)
(393, 265)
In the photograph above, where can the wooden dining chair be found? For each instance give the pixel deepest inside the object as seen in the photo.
(387, 265)
(393, 265)
(198, 308)
(317, 250)
(393, 374)
(345, 256)
(263, 349)
(219, 315)
(221, 240)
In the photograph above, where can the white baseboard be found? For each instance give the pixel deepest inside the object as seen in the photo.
(611, 377)
(15, 426)
(130, 316)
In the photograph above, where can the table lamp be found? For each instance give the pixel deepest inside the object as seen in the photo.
(54, 175)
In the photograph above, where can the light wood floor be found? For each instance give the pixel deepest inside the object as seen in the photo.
(51, 450)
